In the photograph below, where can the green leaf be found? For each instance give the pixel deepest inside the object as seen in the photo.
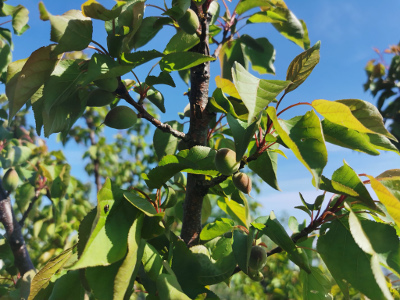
(101, 280)
(68, 287)
(95, 10)
(391, 202)
(381, 142)
(220, 103)
(347, 182)
(183, 60)
(364, 243)
(242, 133)
(256, 93)
(162, 78)
(132, 260)
(20, 19)
(385, 243)
(216, 228)
(169, 288)
(15, 156)
(246, 5)
(354, 267)
(212, 270)
(303, 135)
(266, 166)
(146, 32)
(197, 160)
(140, 203)
(241, 249)
(152, 262)
(291, 28)
(315, 284)
(275, 231)
(348, 138)
(107, 242)
(139, 57)
(25, 78)
(301, 67)
(72, 30)
(165, 143)
(181, 42)
(42, 278)
(229, 55)
(260, 52)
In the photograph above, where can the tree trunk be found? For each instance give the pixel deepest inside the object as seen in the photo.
(197, 135)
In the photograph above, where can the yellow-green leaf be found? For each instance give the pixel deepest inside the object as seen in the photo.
(391, 203)
(227, 86)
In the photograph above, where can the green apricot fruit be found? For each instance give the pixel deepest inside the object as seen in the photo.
(189, 22)
(120, 117)
(255, 275)
(242, 182)
(10, 180)
(107, 84)
(225, 161)
(99, 97)
(258, 258)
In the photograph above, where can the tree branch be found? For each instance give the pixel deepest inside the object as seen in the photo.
(14, 235)
(123, 93)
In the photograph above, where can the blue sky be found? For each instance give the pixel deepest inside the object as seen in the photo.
(348, 31)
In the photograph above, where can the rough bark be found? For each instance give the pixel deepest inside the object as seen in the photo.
(197, 135)
(14, 236)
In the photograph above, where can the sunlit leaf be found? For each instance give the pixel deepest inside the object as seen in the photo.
(131, 263)
(181, 42)
(95, 10)
(227, 87)
(242, 134)
(216, 228)
(303, 135)
(43, 277)
(316, 285)
(255, 93)
(385, 196)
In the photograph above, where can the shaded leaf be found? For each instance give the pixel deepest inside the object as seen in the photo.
(165, 143)
(242, 133)
(316, 285)
(140, 203)
(183, 60)
(181, 42)
(266, 166)
(169, 288)
(301, 67)
(25, 78)
(68, 287)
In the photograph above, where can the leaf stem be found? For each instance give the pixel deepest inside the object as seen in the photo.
(291, 106)
(101, 47)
